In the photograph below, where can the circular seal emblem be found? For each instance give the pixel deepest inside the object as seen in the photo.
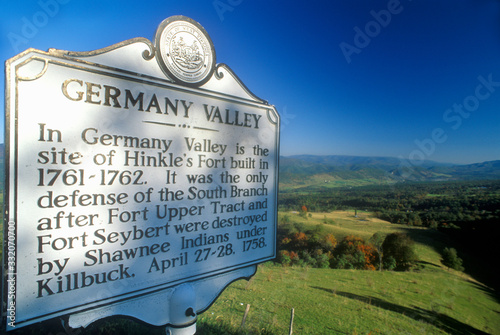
(186, 52)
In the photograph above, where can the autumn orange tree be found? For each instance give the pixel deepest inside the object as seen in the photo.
(353, 253)
(303, 211)
(316, 247)
(311, 248)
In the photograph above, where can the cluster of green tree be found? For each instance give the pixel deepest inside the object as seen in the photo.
(316, 249)
(422, 204)
(451, 259)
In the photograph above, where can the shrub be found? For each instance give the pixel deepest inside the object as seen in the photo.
(400, 247)
(318, 249)
(389, 263)
(451, 259)
(284, 258)
(303, 212)
(299, 241)
(322, 260)
(285, 219)
(356, 260)
(342, 262)
(353, 253)
(349, 244)
(370, 256)
(308, 259)
(329, 242)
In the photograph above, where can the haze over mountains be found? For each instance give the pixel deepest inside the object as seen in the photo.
(342, 170)
(336, 170)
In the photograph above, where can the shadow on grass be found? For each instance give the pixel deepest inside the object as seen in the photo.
(432, 265)
(212, 327)
(108, 326)
(475, 252)
(437, 319)
(125, 326)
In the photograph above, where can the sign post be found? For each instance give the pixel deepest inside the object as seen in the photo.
(141, 180)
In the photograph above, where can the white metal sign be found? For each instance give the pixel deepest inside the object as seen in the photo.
(125, 179)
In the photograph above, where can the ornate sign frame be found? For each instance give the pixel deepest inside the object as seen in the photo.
(174, 160)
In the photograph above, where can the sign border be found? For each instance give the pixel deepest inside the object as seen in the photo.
(61, 58)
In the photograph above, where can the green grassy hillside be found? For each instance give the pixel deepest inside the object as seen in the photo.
(429, 300)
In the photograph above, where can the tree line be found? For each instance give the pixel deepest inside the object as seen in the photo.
(429, 204)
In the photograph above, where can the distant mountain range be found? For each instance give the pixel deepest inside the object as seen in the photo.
(338, 170)
(310, 170)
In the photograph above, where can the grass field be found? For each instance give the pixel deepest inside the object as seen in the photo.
(326, 181)
(430, 300)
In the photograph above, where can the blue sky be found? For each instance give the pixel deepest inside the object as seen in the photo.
(412, 79)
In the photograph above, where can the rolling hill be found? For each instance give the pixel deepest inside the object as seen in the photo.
(332, 171)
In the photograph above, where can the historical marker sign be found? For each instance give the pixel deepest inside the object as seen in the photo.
(132, 170)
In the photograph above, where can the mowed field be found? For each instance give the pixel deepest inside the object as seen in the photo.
(428, 300)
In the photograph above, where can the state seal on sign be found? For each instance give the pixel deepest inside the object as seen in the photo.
(185, 51)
